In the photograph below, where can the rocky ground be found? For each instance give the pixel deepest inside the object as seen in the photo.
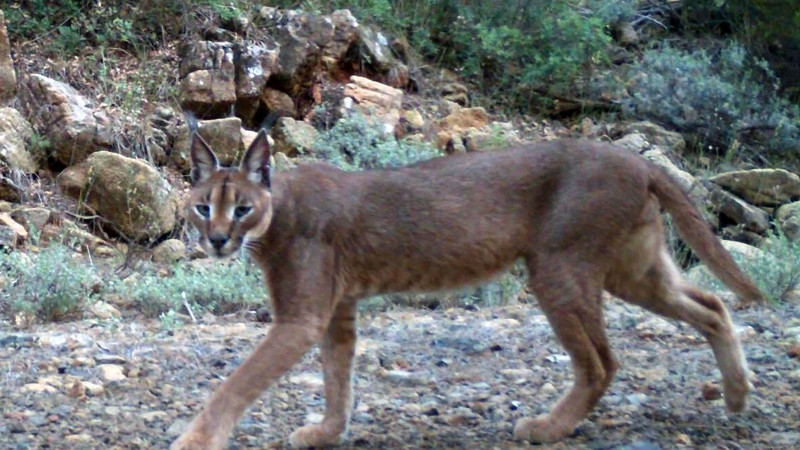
(425, 379)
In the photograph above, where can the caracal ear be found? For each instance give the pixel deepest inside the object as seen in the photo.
(255, 163)
(204, 161)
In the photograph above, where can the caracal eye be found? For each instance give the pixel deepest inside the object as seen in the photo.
(203, 210)
(241, 211)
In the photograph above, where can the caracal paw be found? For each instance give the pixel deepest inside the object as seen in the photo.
(736, 396)
(317, 435)
(195, 438)
(189, 442)
(541, 430)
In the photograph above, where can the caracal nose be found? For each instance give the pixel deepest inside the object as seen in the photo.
(218, 240)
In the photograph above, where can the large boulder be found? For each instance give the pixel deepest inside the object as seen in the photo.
(788, 217)
(224, 136)
(346, 31)
(762, 187)
(15, 133)
(127, 194)
(292, 137)
(738, 211)
(8, 77)
(654, 134)
(74, 126)
(9, 191)
(377, 102)
(208, 78)
(278, 103)
(454, 129)
(301, 37)
(289, 51)
(257, 61)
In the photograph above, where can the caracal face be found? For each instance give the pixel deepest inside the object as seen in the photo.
(228, 207)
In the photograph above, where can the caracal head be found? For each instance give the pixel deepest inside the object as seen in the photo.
(229, 206)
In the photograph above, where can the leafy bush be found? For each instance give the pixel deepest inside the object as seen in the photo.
(216, 287)
(722, 98)
(353, 144)
(50, 285)
(770, 28)
(76, 24)
(777, 271)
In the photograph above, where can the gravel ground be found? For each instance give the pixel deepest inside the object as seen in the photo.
(425, 379)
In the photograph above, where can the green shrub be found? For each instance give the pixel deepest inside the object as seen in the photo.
(74, 25)
(770, 29)
(51, 285)
(353, 144)
(721, 99)
(775, 269)
(218, 287)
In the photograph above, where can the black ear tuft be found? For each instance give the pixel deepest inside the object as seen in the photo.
(255, 163)
(204, 161)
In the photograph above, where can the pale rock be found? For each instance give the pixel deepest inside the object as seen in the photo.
(169, 251)
(18, 230)
(132, 196)
(76, 439)
(405, 378)
(761, 187)
(39, 388)
(224, 136)
(788, 217)
(307, 379)
(111, 372)
(32, 218)
(292, 137)
(453, 130)
(153, 416)
(93, 389)
(15, 133)
(74, 126)
(742, 213)
(8, 77)
(653, 133)
(104, 311)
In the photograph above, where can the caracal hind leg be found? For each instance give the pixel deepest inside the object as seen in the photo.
(573, 307)
(662, 290)
(337, 352)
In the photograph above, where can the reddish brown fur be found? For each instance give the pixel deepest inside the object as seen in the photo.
(583, 216)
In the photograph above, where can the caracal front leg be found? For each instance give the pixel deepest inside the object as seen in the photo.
(337, 352)
(303, 301)
(283, 346)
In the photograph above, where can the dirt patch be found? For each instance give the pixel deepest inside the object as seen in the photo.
(424, 379)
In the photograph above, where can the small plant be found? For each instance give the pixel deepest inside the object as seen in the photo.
(169, 320)
(51, 285)
(353, 143)
(775, 268)
(39, 147)
(217, 287)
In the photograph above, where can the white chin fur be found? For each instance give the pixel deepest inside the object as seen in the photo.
(226, 251)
